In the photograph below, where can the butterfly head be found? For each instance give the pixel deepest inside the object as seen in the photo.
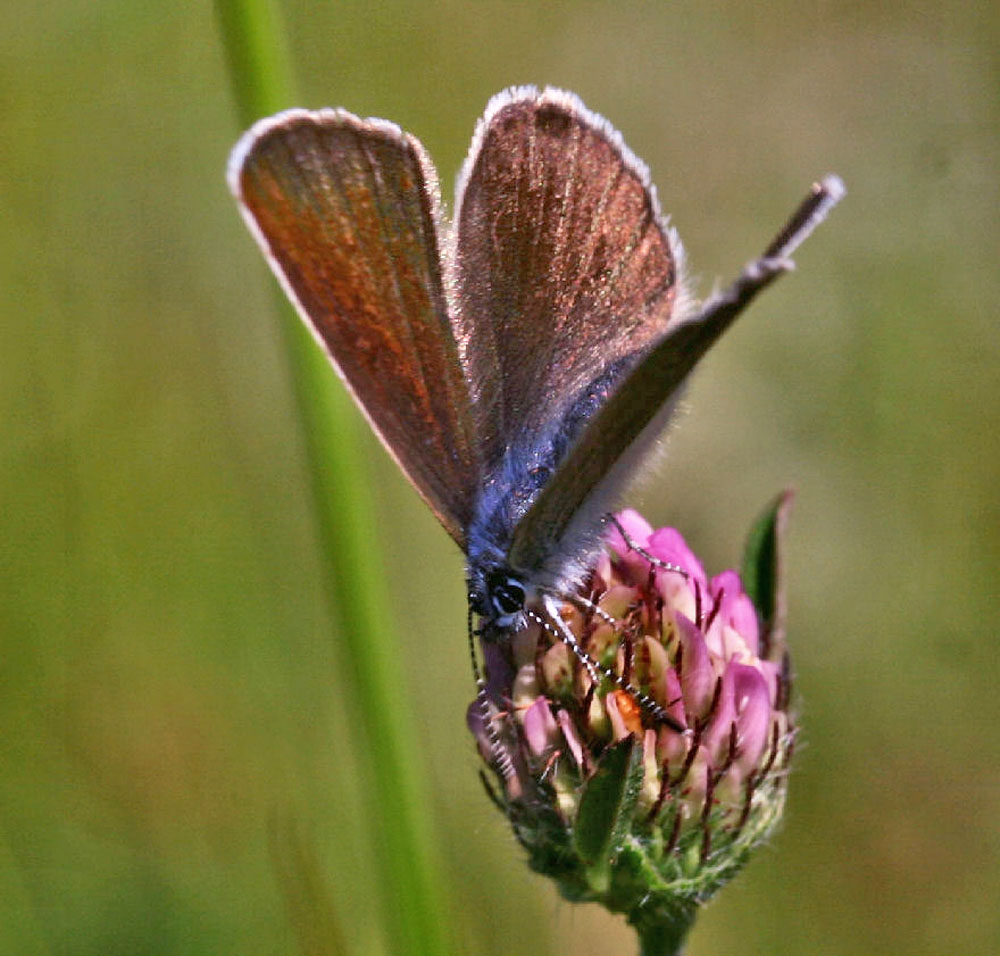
(499, 596)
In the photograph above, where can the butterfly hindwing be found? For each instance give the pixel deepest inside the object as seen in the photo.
(578, 491)
(592, 464)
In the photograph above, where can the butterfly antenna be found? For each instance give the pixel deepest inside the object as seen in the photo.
(501, 756)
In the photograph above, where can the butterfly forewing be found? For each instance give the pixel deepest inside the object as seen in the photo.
(564, 268)
(346, 211)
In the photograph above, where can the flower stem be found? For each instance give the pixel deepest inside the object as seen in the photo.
(412, 904)
(661, 941)
(662, 933)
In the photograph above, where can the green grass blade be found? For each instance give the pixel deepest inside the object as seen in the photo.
(412, 901)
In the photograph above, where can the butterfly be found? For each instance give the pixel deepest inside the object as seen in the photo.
(517, 360)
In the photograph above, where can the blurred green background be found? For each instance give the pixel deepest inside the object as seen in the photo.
(170, 684)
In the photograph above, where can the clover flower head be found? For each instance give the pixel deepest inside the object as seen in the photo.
(647, 788)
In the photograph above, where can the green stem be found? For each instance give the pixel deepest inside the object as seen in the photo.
(412, 905)
(663, 933)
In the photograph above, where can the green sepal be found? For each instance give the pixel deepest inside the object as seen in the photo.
(762, 573)
(605, 810)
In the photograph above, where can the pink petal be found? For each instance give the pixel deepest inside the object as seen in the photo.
(673, 697)
(771, 671)
(753, 715)
(671, 746)
(736, 610)
(636, 527)
(744, 619)
(718, 735)
(572, 737)
(619, 729)
(697, 676)
(652, 664)
(669, 545)
(631, 565)
(540, 728)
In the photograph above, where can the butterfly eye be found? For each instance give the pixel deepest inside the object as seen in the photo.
(506, 593)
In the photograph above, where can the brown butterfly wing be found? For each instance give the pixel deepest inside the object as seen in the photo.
(596, 466)
(346, 211)
(563, 266)
(595, 461)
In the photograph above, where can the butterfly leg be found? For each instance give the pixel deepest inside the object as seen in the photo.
(633, 545)
(502, 759)
(585, 604)
(558, 628)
